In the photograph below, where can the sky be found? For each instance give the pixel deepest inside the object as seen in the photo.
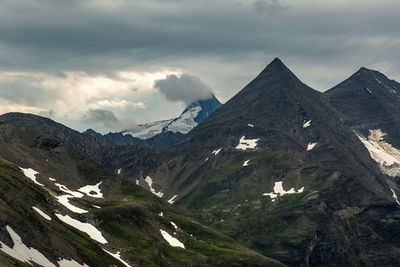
(111, 64)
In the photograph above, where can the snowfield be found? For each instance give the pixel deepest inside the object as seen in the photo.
(149, 182)
(92, 190)
(245, 144)
(87, 228)
(41, 213)
(387, 156)
(310, 146)
(172, 200)
(31, 174)
(172, 240)
(185, 123)
(279, 191)
(27, 255)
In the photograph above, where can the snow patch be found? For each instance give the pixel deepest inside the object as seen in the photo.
(65, 189)
(172, 200)
(206, 159)
(215, 152)
(64, 200)
(92, 190)
(161, 214)
(22, 253)
(97, 207)
(31, 174)
(307, 124)
(149, 182)
(311, 146)
(279, 191)
(394, 196)
(87, 228)
(118, 257)
(174, 225)
(246, 163)
(369, 91)
(387, 156)
(52, 179)
(250, 125)
(247, 143)
(41, 213)
(119, 171)
(171, 240)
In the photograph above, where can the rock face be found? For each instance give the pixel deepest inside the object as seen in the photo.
(160, 135)
(59, 206)
(277, 169)
(369, 103)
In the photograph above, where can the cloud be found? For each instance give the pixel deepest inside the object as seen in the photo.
(269, 6)
(186, 88)
(65, 55)
(101, 117)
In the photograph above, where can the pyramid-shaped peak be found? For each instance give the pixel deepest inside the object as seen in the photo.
(275, 67)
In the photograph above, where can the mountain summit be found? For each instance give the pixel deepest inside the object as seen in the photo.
(276, 169)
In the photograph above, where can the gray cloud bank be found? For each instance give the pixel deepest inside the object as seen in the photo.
(186, 88)
(225, 42)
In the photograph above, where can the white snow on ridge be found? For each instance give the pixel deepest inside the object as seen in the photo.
(31, 174)
(92, 190)
(246, 163)
(215, 152)
(41, 213)
(22, 253)
(52, 179)
(64, 200)
(307, 124)
(279, 191)
(172, 200)
(149, 182)
(87, 228)
(118, 257)
(311, 146)
(172, 240)
(185, 123)
(147, 130)
(247, 143)
(387, 156)
(394, 196)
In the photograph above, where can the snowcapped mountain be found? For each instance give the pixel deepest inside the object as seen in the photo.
(147, 130)
(195, 113)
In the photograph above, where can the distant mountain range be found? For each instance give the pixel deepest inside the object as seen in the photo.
(161, 134)
(303, 177)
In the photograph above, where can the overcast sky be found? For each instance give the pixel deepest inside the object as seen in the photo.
(109, 64)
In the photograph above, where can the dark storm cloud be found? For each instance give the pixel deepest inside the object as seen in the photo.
(108, 35)
(186, 88)
(224, 42)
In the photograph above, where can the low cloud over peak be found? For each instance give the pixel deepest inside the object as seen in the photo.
(185, 88)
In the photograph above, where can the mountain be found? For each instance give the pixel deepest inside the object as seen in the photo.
(160, 135)
(369, 103)
(276, 169)
(60, 208)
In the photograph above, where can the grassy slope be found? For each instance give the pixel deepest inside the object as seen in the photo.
(128, 218)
